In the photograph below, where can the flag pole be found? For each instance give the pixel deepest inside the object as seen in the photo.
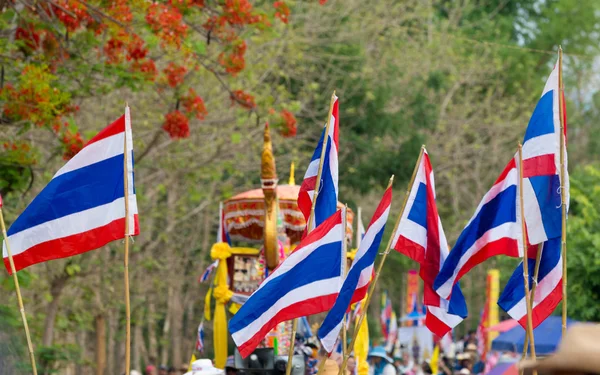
(126, 258)
(288, 368)
(365, 307)
(536, 272)
(563, 193)
(525, 259)
(344, 272)
(18, 289)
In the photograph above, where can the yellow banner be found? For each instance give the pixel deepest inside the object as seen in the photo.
(412, 291)
(493, 290)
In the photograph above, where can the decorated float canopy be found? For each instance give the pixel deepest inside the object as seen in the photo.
(244, 215)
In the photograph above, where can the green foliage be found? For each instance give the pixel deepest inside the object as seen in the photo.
(583, 245)
(53, 359)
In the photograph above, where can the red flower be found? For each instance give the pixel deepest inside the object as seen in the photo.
(242, 98)
(176, 125)
(194, 105)
(174, 74)
(288, 129)
(76, 17)
(29, 35)
(135, 49)
(73, 143)
(234, 61)
(147, 68)
(322, 2)
(283, 11)
(167, 22)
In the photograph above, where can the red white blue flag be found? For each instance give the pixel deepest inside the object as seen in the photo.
(494, 229)
(421, 237)
(542, 208)
(358, 278)
(208, 271)
(328, 190)
(200, 339)
(83, 207)
(307, 282)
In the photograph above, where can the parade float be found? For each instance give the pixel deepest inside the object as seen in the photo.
(269, 220)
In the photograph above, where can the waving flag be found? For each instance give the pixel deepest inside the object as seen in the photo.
(328, 190)
(200, 339)
(494, 229)
(360, 228)
(421, 237)
(83, 207)
(542, 207)
(548, 292)
(208, 271)
(307, 282)
(541, 166)
(358, 278)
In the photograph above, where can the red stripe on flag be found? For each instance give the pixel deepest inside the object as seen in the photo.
(435, 325)
(385, 203)
(303, 308)
(115, 128)
(542, 165)
(511, 164)
(503, 246)
(72, 245)
(411, 249)
(544, 309)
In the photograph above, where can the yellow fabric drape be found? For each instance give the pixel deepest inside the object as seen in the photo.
(435, 357)
(207, 305)
(192, 360)
(234, 308)
(361, 348)
(222, 295)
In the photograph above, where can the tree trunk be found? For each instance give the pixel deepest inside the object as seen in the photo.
(152, 344)
(56, 288)
(176, 330)
(100, 344)
(137, 344)
(164, 356)
(111, 365)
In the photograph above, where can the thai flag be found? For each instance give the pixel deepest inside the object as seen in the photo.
(542, 201)
(208, 271)
(307, 282)
(548, 292)
(420, 236)
(541, 166)
(358, 278)
(222, 233)
(328, 190)
(200, 339)
(82, 208)
(494, 229)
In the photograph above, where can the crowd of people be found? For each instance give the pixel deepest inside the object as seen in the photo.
(462, 358)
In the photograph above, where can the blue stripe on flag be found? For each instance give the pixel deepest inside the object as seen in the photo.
(542, 119)
(73, 192)
(547, 192)
(305, 272)
(327, 199)
(458, 304)
(498, 211)
(514, 291)
(418, 211)
(336, 314)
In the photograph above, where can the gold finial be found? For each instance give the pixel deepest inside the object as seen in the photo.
(292, 175)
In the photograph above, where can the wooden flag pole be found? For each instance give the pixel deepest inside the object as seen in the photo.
(126, 260)
(288, 368)
(358, 235)
(19, 299)
(536, 272)
(525, 259)
(365, 307)
(563, 192)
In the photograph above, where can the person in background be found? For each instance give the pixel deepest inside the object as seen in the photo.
(478, 365)
(380, 363)
(150, 370)
(337, 357)
(351, 365)
(163, 370)
(407, 363)
(184, 368)
(445, 366)
(172, 371)
(230, 368)
(331, 368)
